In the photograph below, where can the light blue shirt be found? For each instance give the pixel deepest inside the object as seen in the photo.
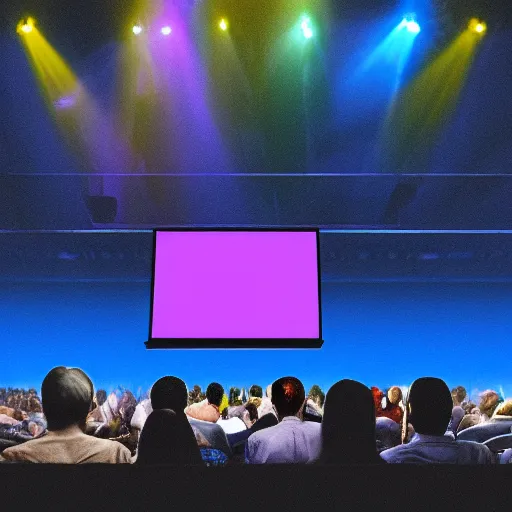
(424, 449)
(292, 441)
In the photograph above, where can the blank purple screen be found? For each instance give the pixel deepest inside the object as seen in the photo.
(239, 284)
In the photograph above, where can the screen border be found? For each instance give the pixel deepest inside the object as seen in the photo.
(236, 343)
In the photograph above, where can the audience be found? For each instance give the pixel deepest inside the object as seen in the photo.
(67, 396)
(348, 425)
(428, 409)
(354, 425)
(292, 440)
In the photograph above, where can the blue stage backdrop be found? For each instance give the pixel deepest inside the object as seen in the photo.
(379, 333)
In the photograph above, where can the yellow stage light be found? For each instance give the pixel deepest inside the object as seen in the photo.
(477, 26)
(223, 24)
(25, 26)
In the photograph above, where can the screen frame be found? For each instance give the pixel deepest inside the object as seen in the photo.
(236, 343)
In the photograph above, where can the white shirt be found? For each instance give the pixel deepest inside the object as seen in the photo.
(291, 441)
(424, 449)
(232, 425)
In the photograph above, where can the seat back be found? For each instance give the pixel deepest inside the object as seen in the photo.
(499, 443)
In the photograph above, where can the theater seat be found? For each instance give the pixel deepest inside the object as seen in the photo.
(499, 443)
(485, 431)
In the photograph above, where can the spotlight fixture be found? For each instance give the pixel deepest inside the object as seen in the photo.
(306, 28)
(410, 23)
(166, 30)
(223, 24)
(477, 26)
(25, 26)
(137, 29)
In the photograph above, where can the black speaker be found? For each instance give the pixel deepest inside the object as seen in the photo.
(102, 209)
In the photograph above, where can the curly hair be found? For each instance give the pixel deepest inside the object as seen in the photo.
(489, 400)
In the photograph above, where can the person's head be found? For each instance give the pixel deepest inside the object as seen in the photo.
(169, 393)
(127, 405)
(429, 406)
(377, 395)
(348, 424)
(167, 438)
(255, 391)
(458, 395)
(489, 400)
(288, 396)
(214, 393)
(252, 411)
(394, 395)
(317, 395)
(101, 397)
(504, 409)
(233, 396)
(67, 395)
(469, 407)
(469, 420)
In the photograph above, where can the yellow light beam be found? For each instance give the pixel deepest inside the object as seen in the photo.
(422, 109)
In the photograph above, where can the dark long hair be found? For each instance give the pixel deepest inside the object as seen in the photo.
(348, 425)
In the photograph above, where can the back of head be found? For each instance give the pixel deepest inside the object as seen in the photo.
(429, 406)
(288, 396)
(489, 401)
(67, 395)
(255, 391)
(348, 424)
(394, 395)
(169, 393)
(214, 394)
(458, 395)
(252, 410)
(167, 438)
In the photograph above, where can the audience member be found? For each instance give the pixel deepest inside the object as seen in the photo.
(266, 406)
(428, 409)
(489, 401)
(392, 410)
(210, 456)
(291, 440)
(348, 425)
(67, 395)
(167, 438)
(209, 410)
(459, 396)
(231, 425)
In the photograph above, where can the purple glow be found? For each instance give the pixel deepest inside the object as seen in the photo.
(238, 284)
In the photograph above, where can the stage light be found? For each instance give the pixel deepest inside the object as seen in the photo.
(410, 23)
(306, 28)
(137, 29)
(223, 24)
(25, 26)
(166, 30)
(477, 26)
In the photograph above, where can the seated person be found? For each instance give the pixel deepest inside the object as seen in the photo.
(237, 440)
(67, 395)
(392, 410)
(292, 440)
(266, 406)
(207, 410)
(348, 425)
(428, 409)
(169, 393)
(168, 439)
